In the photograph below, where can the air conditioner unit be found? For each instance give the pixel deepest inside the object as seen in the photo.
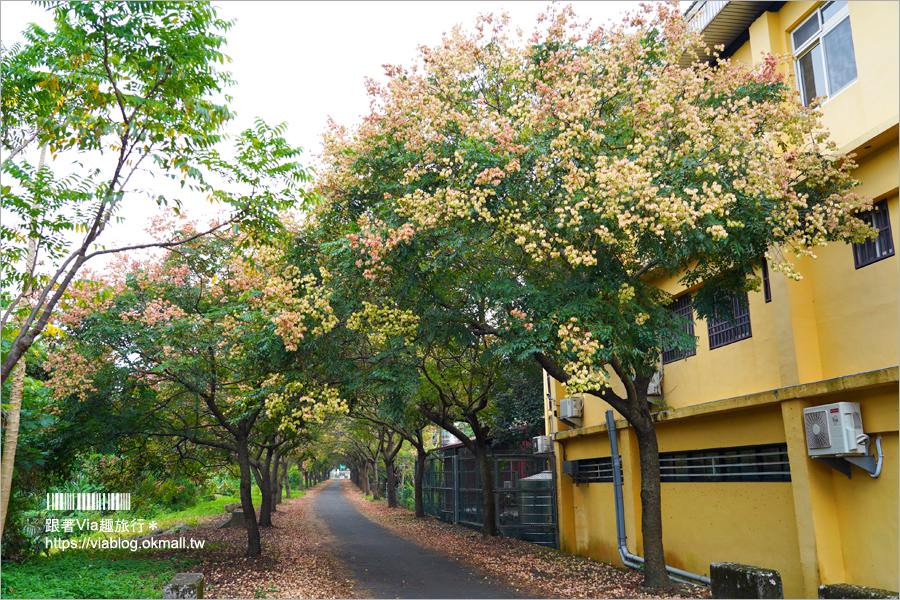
(542, 444)
(571, 407)
(834, 429)
(656, 385)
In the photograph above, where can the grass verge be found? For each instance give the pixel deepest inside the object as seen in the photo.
(97, 573)
(92, 574)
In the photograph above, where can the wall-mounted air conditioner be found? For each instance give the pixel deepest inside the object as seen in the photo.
(542, 444)
(656, 385)
(834, 429)
(571, 407)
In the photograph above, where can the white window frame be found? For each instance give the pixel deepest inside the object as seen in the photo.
(823, 30)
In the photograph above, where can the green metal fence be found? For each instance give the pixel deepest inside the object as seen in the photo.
(525, 497)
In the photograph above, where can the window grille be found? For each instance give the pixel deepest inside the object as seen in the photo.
(744, 463)
(767, 286)
(590, 470)
(724, 331)
(681, 306)
(873, 250)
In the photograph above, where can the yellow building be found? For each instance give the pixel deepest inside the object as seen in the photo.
(831, 337)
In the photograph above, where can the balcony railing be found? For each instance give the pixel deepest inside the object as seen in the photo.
(703, 13)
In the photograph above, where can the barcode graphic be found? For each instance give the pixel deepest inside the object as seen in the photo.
(89, 501)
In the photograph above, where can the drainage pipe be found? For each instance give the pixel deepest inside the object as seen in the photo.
(880, 457)
(629, 559)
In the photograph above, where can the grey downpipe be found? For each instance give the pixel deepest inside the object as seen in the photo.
(628, 559)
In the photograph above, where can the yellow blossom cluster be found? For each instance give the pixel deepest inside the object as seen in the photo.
(300, 404)
(694, 124)
(382, 323)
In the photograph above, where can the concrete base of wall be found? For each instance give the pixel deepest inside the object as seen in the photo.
(734, 580)
(846, 590)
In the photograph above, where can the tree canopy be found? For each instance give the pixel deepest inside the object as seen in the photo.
(551, 181)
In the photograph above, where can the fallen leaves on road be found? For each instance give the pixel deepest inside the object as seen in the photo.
(537, 571)
(295, 561)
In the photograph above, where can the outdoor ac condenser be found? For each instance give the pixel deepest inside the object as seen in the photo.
(570, 408)
(656, 385)
(834, 429)
(542, 444)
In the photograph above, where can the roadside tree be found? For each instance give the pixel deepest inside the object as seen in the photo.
(131, 86)
(204, 340)
(557, 178)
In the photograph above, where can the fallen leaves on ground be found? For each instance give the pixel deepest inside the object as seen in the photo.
(536, 570)
(295, 561)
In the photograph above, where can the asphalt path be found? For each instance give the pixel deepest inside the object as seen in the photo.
(389, 566)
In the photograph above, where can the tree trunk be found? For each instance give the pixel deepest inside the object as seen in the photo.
(364, 478)
(391, 482)
(264, 481)
(375, 487)
(276, 482)
(389, 452)
(254, 547)
(12, 438)
(421, 455)
(17, 389)
(287, 482)
(651, 504)
(487, 489)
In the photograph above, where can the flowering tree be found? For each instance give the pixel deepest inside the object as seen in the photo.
(555, 178)
(137, 85)
(205, 340)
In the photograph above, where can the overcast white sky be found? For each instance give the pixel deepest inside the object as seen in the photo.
(301, 62)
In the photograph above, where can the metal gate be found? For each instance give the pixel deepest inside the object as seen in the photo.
(525, 494)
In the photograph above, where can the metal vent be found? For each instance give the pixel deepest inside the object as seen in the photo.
(857, 421)
(817, 435)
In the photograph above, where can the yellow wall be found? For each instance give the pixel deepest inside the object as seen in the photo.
(820, 528)
(806, 346)
(749, 523)
(873, 99)
(740, 368)
(868, 522)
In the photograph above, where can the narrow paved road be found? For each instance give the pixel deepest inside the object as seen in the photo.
(389, 566)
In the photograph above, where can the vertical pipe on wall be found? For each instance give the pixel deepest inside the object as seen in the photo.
(629, 559)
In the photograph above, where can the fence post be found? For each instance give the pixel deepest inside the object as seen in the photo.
(554, 499)
(496, 491)
(456, 489)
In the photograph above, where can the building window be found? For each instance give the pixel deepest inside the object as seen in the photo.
(742, 463)
(590, 470)
(823, 45)
(725, 330)
(681, 306)
(767, 286)
(881, 247)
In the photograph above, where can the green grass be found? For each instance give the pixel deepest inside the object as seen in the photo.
(92, 574)
(109, 573)
(210, 507)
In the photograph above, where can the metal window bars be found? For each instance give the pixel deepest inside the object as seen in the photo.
(683, 307)
(751, 463)
(724, 331)
(873, 250)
